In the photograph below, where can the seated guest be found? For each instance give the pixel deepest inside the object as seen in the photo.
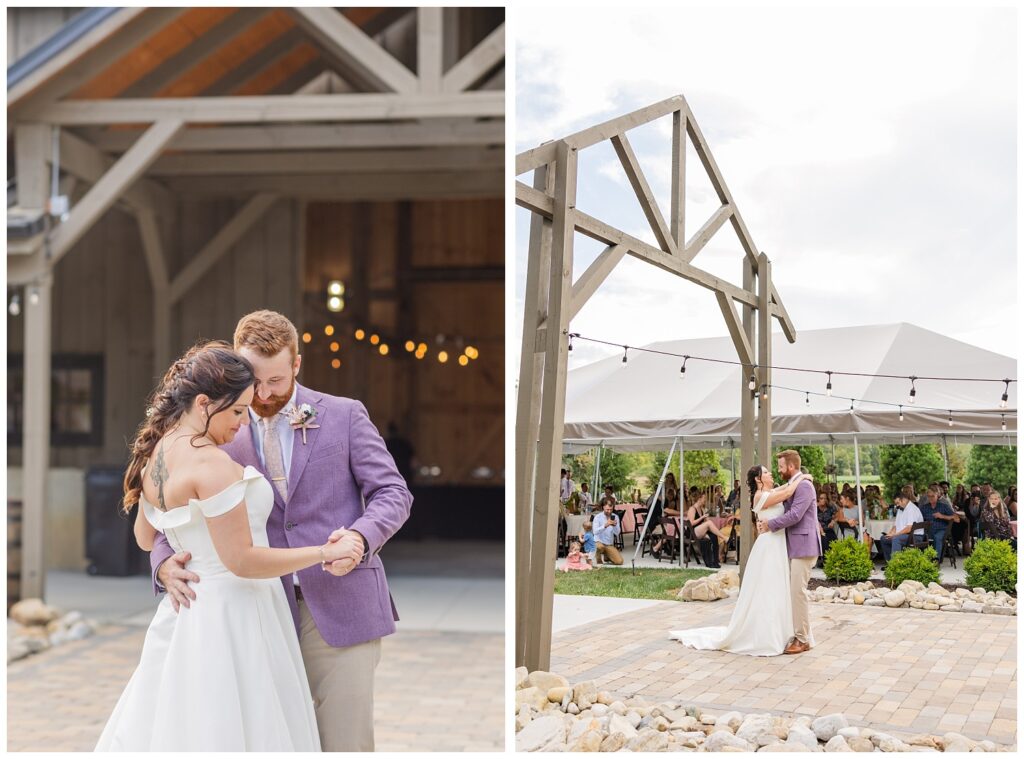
(848, 516)
(734, 496)
(907, 514)
(826, 524)
(995, 521)
(703, 528)
(609, 496)
(606, 528)
(939, 512)
(668, 508)
(1011, 501)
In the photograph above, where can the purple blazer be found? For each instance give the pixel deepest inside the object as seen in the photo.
(800, 521)
(343, 465)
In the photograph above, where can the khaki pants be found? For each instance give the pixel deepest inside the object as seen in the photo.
(799, 575)
(341, 681)
(608, 552)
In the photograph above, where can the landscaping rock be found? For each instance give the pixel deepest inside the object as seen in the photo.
(590, 741)
(825, 728)
(533, 697)
(32, 611)
(648, 740)
(522, 675)
(973, 606)
(802, 735)
(619, 724)
(836, 744)
(613, 742)
(895, 598)
(861, 745)
(849, 732)
(555, 695)
(874, 602)
(719, 741)
(545, 681)
(542, 734)
(732, 720)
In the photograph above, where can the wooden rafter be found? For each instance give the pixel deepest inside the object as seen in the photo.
(356, 50)
(429, 51)
(280, 108)
(477, 62)
(643, 192)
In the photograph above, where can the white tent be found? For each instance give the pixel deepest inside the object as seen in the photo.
(647, 402)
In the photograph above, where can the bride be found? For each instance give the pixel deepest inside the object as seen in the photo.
(226, 674)
(762, 621)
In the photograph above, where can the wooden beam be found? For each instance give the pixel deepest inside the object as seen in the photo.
(252, 212)
(360, 53)
(319, 136)
(334, 162)
(591, 279)
(648, 203)
(173, 67)
(152, 249)
(272, 52)
(25, 269)
(32, 146)
(677, 212)
(746, 422)
(319, 84)
(87, 163)
(764, 359)
(475, 65)
(36, 436)
(428, 48)
(276, 108)
(87, 57)
(732, 321)
(701, 237)
(531, 159)
(552, 417)
(395, 185)
(531, 372)
(111, 186)
(536, 201)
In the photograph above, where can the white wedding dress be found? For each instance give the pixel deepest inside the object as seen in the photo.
(225, 674)
(762, 620)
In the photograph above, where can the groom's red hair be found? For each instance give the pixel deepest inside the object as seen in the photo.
(792, 458)
(266, 332)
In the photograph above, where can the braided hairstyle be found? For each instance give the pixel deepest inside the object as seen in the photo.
(753, 474)
(208, 368)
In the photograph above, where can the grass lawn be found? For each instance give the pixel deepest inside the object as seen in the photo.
(657, 584)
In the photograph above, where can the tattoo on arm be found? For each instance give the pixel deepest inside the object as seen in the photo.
(159, 476)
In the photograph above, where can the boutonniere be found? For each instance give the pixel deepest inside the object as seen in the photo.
(302, 418)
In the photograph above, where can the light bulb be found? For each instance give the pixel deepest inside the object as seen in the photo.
(1006, 394)
(410, 346)
(752, 383)
(335, 287)
(950, 418)
(828, 386)
(360, 334)
(33, 296)
(807, 400)
(15, 308)
(901, 413)
(913, 390)
(624, 351)
(1004, 422)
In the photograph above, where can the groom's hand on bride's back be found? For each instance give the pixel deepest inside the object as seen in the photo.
(175, 578)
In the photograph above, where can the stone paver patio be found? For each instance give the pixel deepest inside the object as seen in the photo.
(436, 691)
(903, 671)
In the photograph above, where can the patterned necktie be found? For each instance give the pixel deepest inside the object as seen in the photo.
(273, 457)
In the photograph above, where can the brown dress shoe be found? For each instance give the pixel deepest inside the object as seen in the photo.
(796, 647)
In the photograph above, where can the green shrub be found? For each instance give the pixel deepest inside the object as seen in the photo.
(912, 564)
(992, 566)
(848, 560)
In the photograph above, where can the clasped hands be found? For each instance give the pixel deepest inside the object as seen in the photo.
(343, 551)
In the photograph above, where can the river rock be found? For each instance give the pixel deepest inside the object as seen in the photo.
(836, 744)
(732, 720)
(590, 741)
(874, 602)
(599, 710)
(690, 739)
(532, 696)
(648, 740)
(858, 597)
(950, 607)
(618, 707)
(1005, 611)
(32, 611)
(924, 740)
(849, 732)
(557, 694)
(956, 742)
(522, 675)
(787, 748)
(685, 723)
(619, 724)
(929, 606)
(825, 728)
(912, 585)
(973, 606)
(753, 726)
(633, 717)
(895, 598)
(585, 694)
(545, 681)
(803, 735)
(915, 604)
(604, 697)
(861, 745)
(542, 734)
(723, 739)
(613, 742)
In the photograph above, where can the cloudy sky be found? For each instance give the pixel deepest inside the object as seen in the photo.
(872, 154)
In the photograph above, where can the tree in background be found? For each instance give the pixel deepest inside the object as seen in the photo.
(903, 464)
(992, 463)
(696, 463)
(812, 457)
(617, 469)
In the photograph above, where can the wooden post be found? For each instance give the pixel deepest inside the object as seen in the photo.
(764, 360)
(531, 366)
(552, 415)
(36, 435)
(746, 425)
(152, 248)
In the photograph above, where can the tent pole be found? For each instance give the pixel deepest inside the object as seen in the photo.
(856, 473)
(682, 508)
(658, 491)
(945, 458)
(597, 472)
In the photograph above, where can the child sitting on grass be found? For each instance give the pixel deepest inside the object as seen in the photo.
(576, 561)
(587, 538)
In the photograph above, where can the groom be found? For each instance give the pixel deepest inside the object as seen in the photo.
(800, 521)
(334, 478)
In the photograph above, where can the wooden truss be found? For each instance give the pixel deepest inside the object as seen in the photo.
(552, 299)
(361, 103)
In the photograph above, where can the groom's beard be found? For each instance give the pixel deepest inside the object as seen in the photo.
(273, 404)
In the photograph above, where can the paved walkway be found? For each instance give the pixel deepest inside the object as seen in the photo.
(904, 671)
(439, 687)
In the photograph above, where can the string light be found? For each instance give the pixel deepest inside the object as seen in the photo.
(901, 412)
(951, 418)
(336, 363)
(384, 349)
(335, 287)
(335, 303)
(913, 390)
(422, 348)
(15, 307)
(808, 399)
(360, 334)
(442, 356)
(335, 347)
(306, 337)
(752, 382)
(472, 352)
(374, 339)
(625, 350)
(570, 341)
(828, 387)
(764, 392)
(33, 296)
(328, 330)
(463, 360)
(851, 405)
(410, 346)
(1006, 394)
(1004, 421)
(682, 369)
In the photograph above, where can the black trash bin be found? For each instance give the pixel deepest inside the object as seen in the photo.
(110, 543)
